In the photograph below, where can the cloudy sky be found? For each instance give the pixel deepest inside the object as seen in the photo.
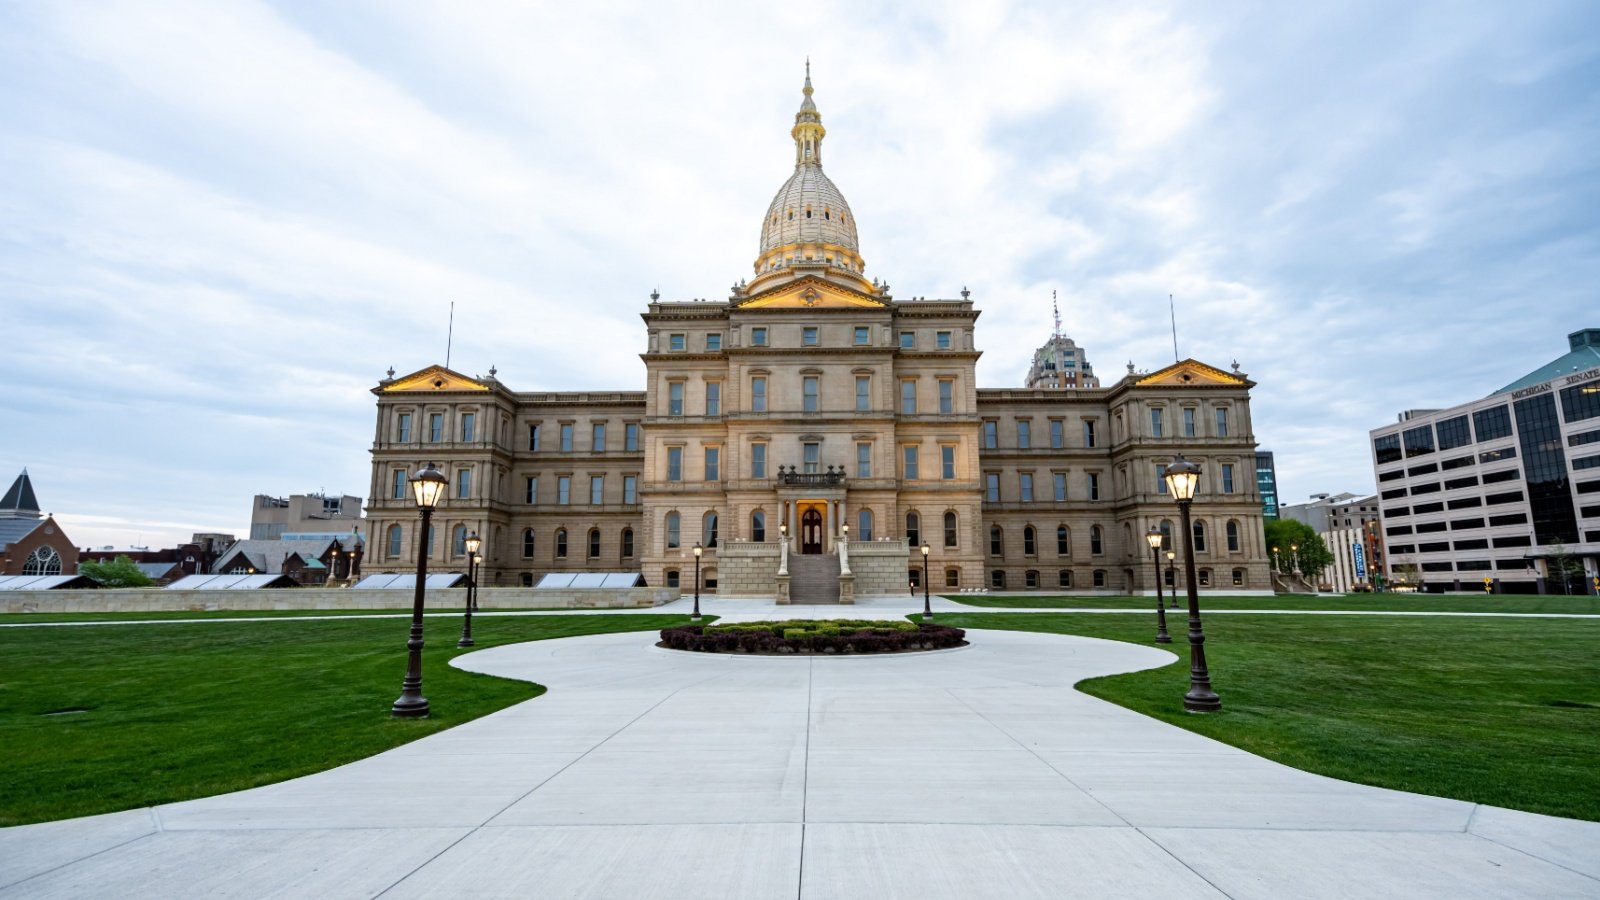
(221, 222)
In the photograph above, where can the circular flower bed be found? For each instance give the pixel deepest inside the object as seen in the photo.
(836, 636)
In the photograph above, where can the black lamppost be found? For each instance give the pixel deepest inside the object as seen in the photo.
(1153, 538)
(927, 607)
(428, 487)
(1172, 555)
(1182, 479)
(697, 551)
(473, 542)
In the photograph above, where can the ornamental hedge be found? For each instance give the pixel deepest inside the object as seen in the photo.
(838, 636)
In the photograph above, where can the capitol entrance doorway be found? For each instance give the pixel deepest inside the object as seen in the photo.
(811, 530)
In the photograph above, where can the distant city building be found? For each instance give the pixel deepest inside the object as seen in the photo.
(31, 543)
(171, 563)
(1267, 484)
(1348, 525)
(307, 560)
(1060, 364)
(271, 516)
(1505, 488)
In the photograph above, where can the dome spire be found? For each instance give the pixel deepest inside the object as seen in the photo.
(808, 131)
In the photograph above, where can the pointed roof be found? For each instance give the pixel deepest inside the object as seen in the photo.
(20, 500)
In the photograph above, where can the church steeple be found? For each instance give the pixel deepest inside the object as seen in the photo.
(20, 502)
(808, 131)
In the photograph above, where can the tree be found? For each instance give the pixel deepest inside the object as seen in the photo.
(119, 572)
(1311, 555)
(1562, 564)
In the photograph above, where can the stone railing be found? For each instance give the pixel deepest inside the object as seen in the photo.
(831, 478)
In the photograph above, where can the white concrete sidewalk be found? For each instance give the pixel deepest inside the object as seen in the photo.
(976, 772)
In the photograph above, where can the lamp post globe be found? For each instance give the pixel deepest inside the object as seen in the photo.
(1153, 537)
(1183, 480)
(697, 551)
(927, 606)
(427, 487)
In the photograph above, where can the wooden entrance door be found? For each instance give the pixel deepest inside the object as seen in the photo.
(811, 531)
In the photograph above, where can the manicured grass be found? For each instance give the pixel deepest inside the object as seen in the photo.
(178, 711)
(1497, 711)
(1549, 603)
(209, 614)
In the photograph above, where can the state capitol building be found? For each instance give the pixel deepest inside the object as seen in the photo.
(814, 410)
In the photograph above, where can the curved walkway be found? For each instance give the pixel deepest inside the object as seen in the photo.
(976, 772)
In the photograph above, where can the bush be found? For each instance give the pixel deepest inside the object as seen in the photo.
(812, 636)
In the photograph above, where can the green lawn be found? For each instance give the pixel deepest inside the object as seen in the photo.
(1548, 603)
(180, 711)
(1498, 711)
(432, 609)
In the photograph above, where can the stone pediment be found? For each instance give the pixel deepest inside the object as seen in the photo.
(434, 379)
(1191, 373)
(811, 293)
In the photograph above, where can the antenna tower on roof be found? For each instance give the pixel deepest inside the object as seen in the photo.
(1055, 306)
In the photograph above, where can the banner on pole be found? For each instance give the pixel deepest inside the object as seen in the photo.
(1361, 561)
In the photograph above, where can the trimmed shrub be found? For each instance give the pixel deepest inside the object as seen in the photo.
(812, 636)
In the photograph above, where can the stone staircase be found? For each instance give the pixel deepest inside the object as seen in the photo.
(813, 578)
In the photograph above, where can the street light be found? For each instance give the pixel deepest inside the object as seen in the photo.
(1182, 479)
(1294, 559)
(1275, 567)
(783, 532)
(473, 542)
(1171, 556)
(428, 487)
(697, 551)
(927, 608)
(1153, 538)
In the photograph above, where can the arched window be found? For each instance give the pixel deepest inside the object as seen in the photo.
(396, 541)
(1096, 543)
(527, 579)
(1063, 541)
(594, 543)
(1199, 537)
(950, 529)
(1205, 578)
(1030, 578)
(527, 543)
(952, 578)
(627, 543)
(1064, 578)
(672, 530)
(758, 526)
(997, 579)
(913, 529)
(458, 541)
(1233, 537)
(1030, 544)
(1100, 578)
(997, 544)
(561, 543)
(1238, 578)
(42, 561)
(708, 530)
(864, 525)
(672, 578)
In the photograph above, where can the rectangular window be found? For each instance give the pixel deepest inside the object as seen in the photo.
(1024, 434)
(863, 393)
(991, 487)
(713, 463)
(947, 462)
(1188, 421)
(1088, 433)
(674, 463)
(713, 398)
(1581, 401)
(991, 434)
(1227, 478)
(808, 336)
(469, 423)
(863, 460)
(533, 438)
(758, 460)
(530, 493)
(463, 483)
(1094, 486)
(630, 437)
(713, 342)
(942, 340)
(597, 490)
(808, 391)
(564, 489)
(1386, 448)
(811, 458)
(1222, 421)
(1489, 456)
(862, 335)
(597, 437)
(405, 428)
(566, 438)
(630, 489)
(908, 398)
(399, 484)
(1418, 441)
(908, 340)
(1161, 478)
(1502, 475)
(1060, 482)
(1491, 423)
(947, 396)
(1155, 422)
(910, 454)
(435, 427)
(675, 398)
(1058, 436)
(1454, 433)
(676, 342)
(758, 394)
(1025, 484)
(758, 337)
